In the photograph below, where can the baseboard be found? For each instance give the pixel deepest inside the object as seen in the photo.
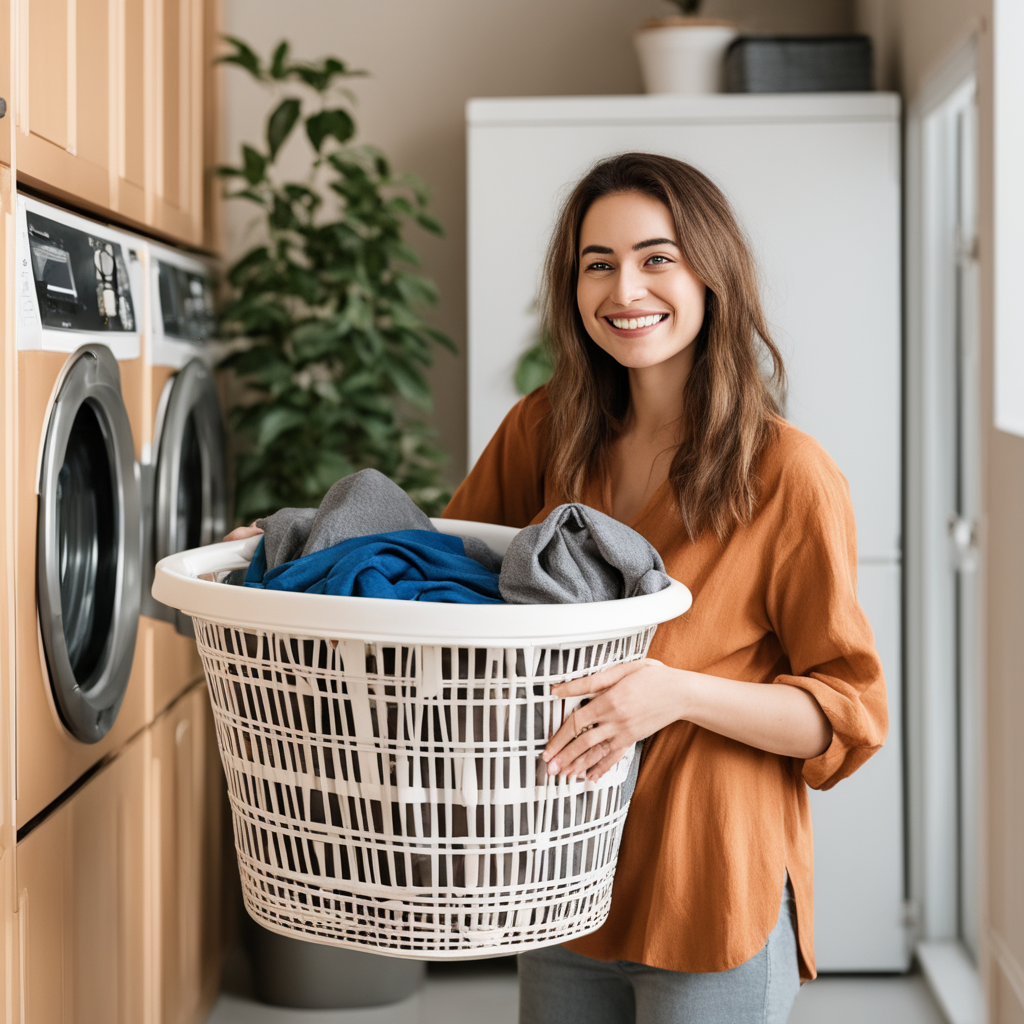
(954, 981)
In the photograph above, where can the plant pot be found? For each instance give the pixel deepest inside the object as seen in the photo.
(311, 976)
(683, 55)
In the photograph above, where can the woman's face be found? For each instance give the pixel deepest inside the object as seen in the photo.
(638, 298)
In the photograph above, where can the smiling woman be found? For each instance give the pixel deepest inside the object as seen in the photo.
(658, 413)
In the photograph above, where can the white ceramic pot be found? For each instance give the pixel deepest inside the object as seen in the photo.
(683, 55)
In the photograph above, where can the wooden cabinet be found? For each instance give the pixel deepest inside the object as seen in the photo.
(83, 902)
(110, 108)
(178, 119)
(186, 786)
(119, 898)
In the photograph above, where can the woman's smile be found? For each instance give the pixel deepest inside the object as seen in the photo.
(635, 323)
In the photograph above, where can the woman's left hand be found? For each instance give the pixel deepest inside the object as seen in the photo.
(632, 701)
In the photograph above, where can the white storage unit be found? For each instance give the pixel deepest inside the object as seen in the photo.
(815, 181)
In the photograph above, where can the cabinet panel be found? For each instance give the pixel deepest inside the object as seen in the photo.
(186, 830)
(63, 102)
(45, 111)
(84, 904)
(130, 94)
(178, 150)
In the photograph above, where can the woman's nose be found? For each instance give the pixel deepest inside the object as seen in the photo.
(628, 287)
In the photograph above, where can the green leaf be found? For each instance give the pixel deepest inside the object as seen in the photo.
(411, 384)
(414, 289)
(255, 165)
(276, 422)
(428, 223)
(442, 339)
(258, 257)
(243, 56)
(282, 217)
(331, 466)
(336, 123)
(281, 122)
(226, 171)
(279, 62)
(533, 369)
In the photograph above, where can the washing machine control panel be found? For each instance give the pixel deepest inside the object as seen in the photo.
(186, 303)
(81, 278)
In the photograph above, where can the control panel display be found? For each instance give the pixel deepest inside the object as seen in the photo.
(81, 279)
(186, 302)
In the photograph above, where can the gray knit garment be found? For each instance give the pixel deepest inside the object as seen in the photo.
(359, 505)
(579, 554)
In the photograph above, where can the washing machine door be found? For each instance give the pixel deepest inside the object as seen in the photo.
(89, 545)
(190, 489)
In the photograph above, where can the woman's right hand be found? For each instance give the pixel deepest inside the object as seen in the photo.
(242, 532)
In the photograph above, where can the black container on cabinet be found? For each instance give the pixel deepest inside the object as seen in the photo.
(799, 64)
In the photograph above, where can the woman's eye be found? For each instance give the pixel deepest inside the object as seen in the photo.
(599, 266)
(659, 260)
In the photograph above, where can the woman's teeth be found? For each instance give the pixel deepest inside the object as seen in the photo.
(633, 323)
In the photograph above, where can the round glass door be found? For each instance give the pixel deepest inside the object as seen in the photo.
(190, 491)
(88, 549)
(87, 544)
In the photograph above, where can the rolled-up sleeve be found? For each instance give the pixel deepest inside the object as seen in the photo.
(812, 604)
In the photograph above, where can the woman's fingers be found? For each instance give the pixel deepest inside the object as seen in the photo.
(242, 532)
(598, 681)
(590, 758)
(578, 749)
(576, 722)
(608, 761)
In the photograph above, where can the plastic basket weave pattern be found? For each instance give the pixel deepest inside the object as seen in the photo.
(369, 812)
(389, 794)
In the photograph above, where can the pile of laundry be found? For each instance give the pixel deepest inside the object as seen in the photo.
(368, 539)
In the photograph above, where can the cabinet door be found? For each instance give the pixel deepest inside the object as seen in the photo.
(185, 861)
(131, 93)
(83, 902)
(177, 199)
(64, 99)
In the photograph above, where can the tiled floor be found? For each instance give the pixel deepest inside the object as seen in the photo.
(488, 995)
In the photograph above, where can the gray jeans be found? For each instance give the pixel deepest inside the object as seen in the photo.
(557, 986)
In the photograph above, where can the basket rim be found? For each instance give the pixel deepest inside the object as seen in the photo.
(176, 583)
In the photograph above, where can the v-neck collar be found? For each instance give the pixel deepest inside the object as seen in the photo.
(605, 494)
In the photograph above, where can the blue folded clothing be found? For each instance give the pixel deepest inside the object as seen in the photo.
(406, 565)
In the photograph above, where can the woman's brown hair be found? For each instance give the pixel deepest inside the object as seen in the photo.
(730, 404)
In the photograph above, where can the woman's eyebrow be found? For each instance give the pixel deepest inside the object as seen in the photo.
(602, 249)
(654, 241)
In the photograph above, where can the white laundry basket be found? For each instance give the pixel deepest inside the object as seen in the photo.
(383, 758)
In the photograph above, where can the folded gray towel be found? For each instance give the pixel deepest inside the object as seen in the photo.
(579, 554)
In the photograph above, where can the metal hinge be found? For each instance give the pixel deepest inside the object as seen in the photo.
(963, 542)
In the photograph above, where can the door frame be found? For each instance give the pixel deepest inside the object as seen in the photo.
(933, 438)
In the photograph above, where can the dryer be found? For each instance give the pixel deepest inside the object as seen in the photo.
(184, 467)
(80, 685)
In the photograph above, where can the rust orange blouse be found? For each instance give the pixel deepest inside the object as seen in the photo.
(715, 824)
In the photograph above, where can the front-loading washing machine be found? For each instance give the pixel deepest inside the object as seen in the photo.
(80, 683)
(184, 468)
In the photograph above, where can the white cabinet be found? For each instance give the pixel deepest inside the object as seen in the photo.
(815, 182)
(858, 825)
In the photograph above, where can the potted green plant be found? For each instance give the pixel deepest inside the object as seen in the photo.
(683, 53)
(326, 308)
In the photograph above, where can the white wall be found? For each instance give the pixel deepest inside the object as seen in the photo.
(426, 60)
